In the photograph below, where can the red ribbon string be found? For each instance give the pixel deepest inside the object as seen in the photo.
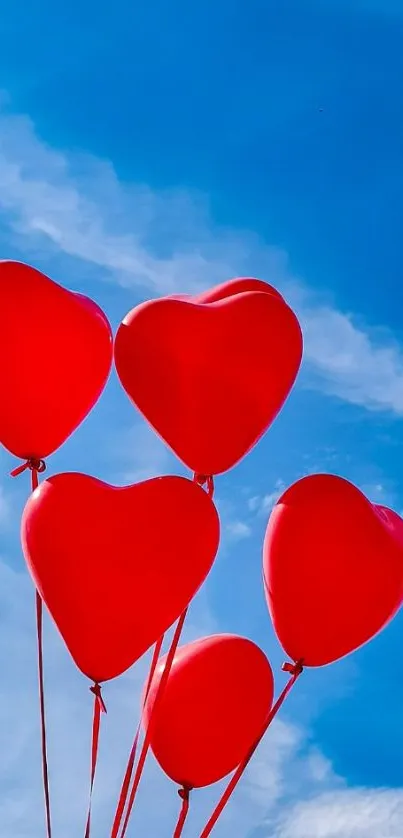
(99, 707)
(37, 467)
(146, 743)
(130, 764)
(184, 793)
(41, 680)
(45, 771)
(295, 671)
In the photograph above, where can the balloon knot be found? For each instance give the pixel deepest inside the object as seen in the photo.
(293, 668)
(32, 463)
(184, 792)
(205, 480)
(96, 690)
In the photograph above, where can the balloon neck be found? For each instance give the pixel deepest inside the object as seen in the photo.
(32, 463)
(293, 668)
(206, 481)
(96, 690)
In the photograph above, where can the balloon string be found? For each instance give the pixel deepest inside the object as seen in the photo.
(99, 707)
(184, 793)
(147, 738)
(39, 632)
(295, 671)
(36, 467)
(130, 764)
(45, 771)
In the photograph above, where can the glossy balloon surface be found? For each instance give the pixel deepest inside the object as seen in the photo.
(333, 568)
(117, 566)
(55, 356)
(210, 373)
(212, 710)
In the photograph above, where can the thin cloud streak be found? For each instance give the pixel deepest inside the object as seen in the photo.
(345, 813)
(55, 202)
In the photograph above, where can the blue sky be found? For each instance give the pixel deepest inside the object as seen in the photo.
(160, 147)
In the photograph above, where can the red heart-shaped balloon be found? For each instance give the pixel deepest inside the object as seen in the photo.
(333, 568)
(117, 566)
(210, 373)
(212, 709)
(55, 356)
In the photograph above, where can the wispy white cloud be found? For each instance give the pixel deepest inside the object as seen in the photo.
(360, 367)
(263, 504)
(307, 799)
(140, 454)
(266, 776)
(238, 530)
(345, 813)
(236, 522)
(78, 206)
(57, 202)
